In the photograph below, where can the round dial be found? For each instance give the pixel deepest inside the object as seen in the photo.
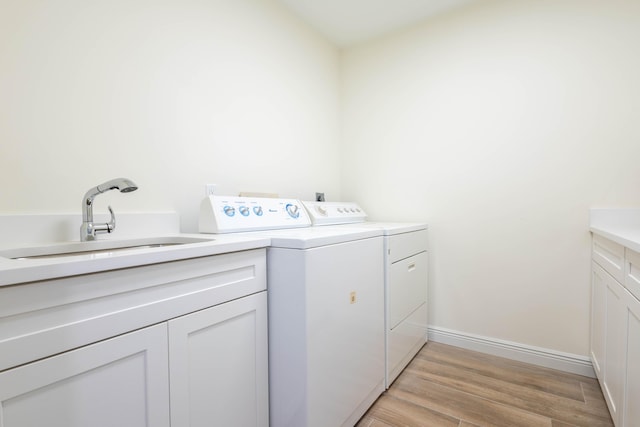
(244, 211)
(321, 210)
(257, 210)
(292, 210)
(229, 210)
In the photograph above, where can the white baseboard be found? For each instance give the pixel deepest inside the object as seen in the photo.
(511, 350)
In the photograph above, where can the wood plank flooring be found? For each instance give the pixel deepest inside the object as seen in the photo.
(450, 386)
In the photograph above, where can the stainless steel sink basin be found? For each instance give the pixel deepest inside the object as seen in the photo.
(99, 247)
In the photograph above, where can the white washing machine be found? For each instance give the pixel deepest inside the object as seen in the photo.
(406, 266)
(325, 291)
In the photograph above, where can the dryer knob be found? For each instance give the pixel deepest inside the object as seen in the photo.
(244, 211)
(229, 210)
(257, 210)
(292, 210)
(321, 210)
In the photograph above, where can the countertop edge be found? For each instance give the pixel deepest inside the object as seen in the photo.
(629, 238)
(17, 272)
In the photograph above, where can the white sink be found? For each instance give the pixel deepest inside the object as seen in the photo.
(99, 247)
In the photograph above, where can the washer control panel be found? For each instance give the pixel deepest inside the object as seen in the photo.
(230, 214)
(332, 213)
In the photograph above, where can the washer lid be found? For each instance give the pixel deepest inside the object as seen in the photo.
(392, 228)
(306, 238)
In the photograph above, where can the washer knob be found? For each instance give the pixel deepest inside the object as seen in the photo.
(244, 211)
(292, 210)
(229, 210)
(321, 210)
(257, 210)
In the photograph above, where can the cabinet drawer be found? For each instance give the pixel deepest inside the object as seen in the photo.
(632, 272)
(407, 287)
(43, 318)
(404, 245)
(609, 255)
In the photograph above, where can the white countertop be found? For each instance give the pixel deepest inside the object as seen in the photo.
(627, 237)
(17, 271)
(619, 225)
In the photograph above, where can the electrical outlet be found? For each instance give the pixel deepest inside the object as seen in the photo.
(319, 197)
(209, 189)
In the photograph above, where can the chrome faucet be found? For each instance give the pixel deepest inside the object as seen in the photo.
(88, 229)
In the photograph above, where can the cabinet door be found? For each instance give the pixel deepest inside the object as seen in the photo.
(631, 409)
(615, 337)
(598, 318)
(219, 366)
(122, 381)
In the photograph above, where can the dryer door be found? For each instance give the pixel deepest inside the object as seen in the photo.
(407, 287)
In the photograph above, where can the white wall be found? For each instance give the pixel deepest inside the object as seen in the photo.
(172, 94)
(501, 124)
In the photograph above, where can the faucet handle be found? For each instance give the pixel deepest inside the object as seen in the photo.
(111, 225)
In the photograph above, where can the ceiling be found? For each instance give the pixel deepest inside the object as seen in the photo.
(347, 22)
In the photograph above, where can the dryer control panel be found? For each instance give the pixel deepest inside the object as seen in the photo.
(231, 214)
(333, 213)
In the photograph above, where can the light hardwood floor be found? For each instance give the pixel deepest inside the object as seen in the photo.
(450, 386)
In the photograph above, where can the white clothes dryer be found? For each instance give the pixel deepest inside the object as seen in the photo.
(406, 265)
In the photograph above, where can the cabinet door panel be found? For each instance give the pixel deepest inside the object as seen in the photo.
(631, 415)
(613, 383)
(632, 272)
(598, 318)
(219, 366)
(610, 256)
(122, 381)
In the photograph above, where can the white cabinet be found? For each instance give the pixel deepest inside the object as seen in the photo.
(218, 365)
(631, 404)
(122, 381)
(615, 329)
(172, 344)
